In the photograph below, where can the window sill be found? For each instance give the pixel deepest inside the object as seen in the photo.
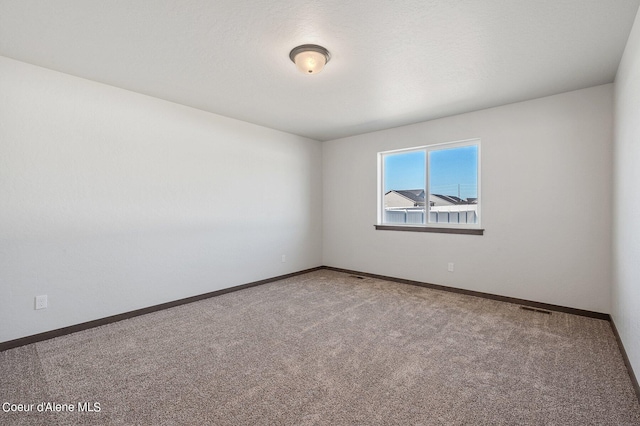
(468, 231)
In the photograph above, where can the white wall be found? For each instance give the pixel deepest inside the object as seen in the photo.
(113, 201)
(546, 188)
(626, 229)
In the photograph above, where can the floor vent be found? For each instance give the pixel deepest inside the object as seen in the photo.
(542, 311)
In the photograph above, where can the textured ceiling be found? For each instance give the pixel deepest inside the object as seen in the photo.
(393, 62)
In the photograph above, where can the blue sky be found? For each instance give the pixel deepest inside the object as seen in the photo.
(451, 170)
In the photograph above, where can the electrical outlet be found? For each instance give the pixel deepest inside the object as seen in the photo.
(284, 258)
(41, 302)
(450, 267)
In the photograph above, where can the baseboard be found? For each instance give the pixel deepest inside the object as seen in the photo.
(114, 318)
(625, 357)
(539, 305)
(126, 315)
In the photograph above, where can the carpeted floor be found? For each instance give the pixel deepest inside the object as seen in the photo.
(329, 349)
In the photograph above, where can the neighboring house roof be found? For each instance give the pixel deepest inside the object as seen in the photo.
(418, 195)
(451, 199)
(415, 195)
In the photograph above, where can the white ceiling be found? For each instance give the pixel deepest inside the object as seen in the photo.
(394, 62)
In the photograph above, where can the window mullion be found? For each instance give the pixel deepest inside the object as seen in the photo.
(427, 190)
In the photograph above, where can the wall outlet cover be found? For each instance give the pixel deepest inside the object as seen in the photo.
(41, 302)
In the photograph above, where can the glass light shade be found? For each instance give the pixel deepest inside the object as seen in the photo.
(310, 58)
(310, 62)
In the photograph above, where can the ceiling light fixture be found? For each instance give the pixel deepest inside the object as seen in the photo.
(310, 58)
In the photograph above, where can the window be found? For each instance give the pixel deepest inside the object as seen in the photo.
(433, 188)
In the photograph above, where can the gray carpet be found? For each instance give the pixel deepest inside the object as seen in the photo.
(325, 348)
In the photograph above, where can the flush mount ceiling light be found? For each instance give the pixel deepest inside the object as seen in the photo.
(310, 58)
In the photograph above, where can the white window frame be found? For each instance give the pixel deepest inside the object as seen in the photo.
(428, 149)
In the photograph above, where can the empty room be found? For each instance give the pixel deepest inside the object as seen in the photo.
(320, 212)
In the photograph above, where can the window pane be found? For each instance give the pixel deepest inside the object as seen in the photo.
(453, 185)
(404, 187)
